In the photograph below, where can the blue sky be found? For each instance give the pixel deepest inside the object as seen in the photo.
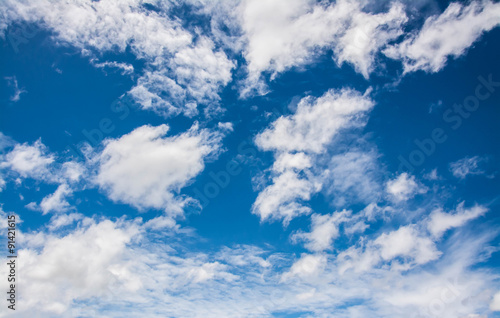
(251, 159)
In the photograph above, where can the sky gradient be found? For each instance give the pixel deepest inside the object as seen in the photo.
(282, 158)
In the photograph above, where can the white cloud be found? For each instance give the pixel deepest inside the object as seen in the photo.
(451, 289)
(124, 67)
(495, 303)
(353, 177)
(178, 84)
(37, 162)
(12, 82)
(286, 161)
(404, 187)
(161, 222)
(283, 198)
(104, 25)
(56, 202)
(406, 243)
(324, 229)
(449, 34)
(181, 69)
(5, 141)
(2, 183)
(155, 90)
(97, 262)
(29, 160)
(466, 166)
(73, 171)
(432, 175)
(440, 221)
(87, 263)
(244, 255)
(366, 35)
(61, 220)
(283, 34)
(306, 266)
(202, 70)
(209, 271)
(147, 170)
(296, 140)
(316, 122)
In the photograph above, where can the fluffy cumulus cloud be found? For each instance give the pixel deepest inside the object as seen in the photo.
(147, 169)
(315, 122)
(306, 266)
(372, 246)
(449, 34)
(404, 187)
(406, 243)
(73, 277)
(296, 140)
(283, 34)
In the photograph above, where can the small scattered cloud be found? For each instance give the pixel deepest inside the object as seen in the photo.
(12, 82)
(125, 68)
(467, 166)
(435, 106)
(404, 187)
(432, 175)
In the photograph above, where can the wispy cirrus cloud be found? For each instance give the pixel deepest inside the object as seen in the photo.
(12, 82)
(467, 166)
